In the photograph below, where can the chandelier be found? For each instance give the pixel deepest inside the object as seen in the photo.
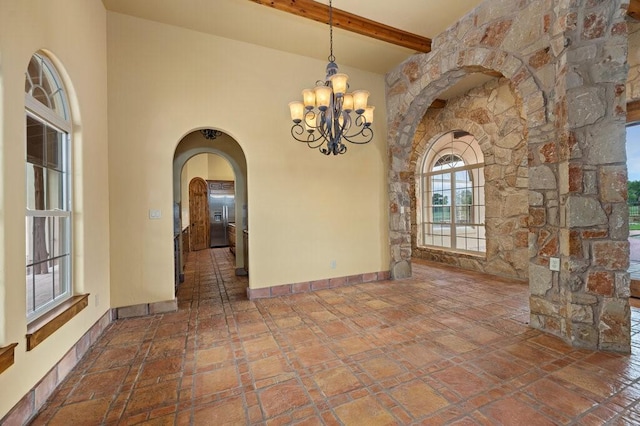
(210, 133)
(329, 115)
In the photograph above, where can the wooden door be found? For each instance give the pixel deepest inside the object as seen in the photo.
(198, 214)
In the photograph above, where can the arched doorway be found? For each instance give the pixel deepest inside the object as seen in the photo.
(224, 146)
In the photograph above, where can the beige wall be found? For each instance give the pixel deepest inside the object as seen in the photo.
(74, 32)
(219, 168)
(206, 166)
(304, 209)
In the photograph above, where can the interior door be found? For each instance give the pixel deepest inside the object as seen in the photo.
(198, 214)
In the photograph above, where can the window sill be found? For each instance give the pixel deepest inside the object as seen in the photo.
(6, 356)
(46, 325)
(458, 252)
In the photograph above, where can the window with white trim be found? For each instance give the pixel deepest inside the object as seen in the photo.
(453, 206)
(48, 188)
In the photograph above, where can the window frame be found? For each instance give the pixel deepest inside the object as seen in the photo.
(52, 119)
(427, 217)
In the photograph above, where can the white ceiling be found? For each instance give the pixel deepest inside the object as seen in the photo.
(247, 21)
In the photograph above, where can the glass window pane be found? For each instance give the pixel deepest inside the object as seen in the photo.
(35, 141)
(54, 191)
(54, 149)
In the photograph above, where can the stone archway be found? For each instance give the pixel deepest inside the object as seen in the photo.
(566, 62)
(505, 185)
(412, 108)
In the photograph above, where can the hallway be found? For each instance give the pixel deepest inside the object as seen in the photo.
(443, 347)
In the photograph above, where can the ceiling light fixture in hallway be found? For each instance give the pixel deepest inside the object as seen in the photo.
(324, 117)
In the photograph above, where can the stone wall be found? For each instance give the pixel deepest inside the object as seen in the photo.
(566, 61)
(491, 114)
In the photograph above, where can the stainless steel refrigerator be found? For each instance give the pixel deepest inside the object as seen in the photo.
(222, 210)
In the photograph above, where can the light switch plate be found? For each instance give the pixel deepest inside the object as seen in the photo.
(554, 264)
(155, 214)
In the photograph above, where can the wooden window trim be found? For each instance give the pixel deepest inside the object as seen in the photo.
(46, 325)
(6, 356)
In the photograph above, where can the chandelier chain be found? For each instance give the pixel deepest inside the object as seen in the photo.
(331, 57)
(329, 117)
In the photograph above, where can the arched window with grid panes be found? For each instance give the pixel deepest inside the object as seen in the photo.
(453, 200)
(48, 188)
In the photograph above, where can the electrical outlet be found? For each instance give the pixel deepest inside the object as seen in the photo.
(554, 264)
(97, 300)
(333, 264)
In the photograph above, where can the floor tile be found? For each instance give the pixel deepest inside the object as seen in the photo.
(444, 347)
(363, 411)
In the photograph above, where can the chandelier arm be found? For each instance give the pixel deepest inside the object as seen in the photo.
(297, 131)
(365, 132)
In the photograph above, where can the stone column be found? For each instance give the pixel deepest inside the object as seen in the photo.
(589, 306)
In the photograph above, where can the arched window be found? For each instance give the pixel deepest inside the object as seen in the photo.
(453, 208)
(48, 188)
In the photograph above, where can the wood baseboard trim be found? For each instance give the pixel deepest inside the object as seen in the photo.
(45, 326)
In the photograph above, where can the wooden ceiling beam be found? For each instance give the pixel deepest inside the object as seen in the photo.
(633, 111)
(634, 9)
(347, 21)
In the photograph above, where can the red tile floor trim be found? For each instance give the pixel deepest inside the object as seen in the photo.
(305, 287)
(443, 347)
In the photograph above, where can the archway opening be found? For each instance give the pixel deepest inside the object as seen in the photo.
(470, 192)
(220, 162)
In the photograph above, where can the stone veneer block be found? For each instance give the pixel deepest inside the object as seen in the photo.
(258, 293)
(319, 284)
(66, 364)
(354, 279)
(384, 275)
(45, 387)
(281, 290)
(301, 287)
(21, 412)
(132, 311)
(337, 282)
(83, 345)
(367, 278)
(163, 307)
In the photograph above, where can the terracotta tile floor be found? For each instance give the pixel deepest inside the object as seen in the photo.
(444, 347)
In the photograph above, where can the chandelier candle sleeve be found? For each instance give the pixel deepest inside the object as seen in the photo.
(297, 111)
(347, 102)
(368, 115)
(360, 98)
(324, 118)
(309, 98)
(339, 83)
(323, 97)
